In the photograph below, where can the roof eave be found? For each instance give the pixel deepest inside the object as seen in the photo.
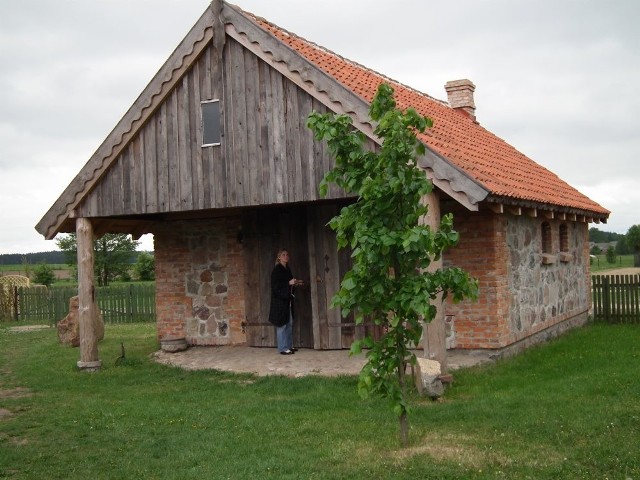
(151, 97)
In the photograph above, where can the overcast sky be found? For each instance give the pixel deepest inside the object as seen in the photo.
(557, 79)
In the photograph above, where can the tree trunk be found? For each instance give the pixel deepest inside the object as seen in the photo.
(404, 429)
(403, 418)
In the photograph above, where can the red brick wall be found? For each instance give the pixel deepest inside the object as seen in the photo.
(200, 281)
(482, 252)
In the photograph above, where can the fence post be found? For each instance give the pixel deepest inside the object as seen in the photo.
(606, 301)
(15, 303)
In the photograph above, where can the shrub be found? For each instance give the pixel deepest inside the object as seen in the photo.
(43, 274)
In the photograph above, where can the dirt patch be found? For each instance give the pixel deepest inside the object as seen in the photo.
(619, 271)
(28, 328)
(18, 392)
(4, 413)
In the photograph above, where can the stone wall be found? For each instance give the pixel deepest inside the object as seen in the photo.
(522, 292)
(545, 291)
(200, 281)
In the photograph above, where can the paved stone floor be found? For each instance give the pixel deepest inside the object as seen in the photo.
(267, 361)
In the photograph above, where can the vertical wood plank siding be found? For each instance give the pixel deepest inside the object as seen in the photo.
(267, 154)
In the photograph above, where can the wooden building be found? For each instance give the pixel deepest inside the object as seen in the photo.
(215, 160)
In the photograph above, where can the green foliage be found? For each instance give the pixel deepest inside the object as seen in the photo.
(391, 247)
(113, 255)
(633, 238)
(611, 255)
(43, 274)
(145, 267)
(595, 250)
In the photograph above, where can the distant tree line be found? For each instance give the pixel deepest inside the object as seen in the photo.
(53, 257)
(626, 243)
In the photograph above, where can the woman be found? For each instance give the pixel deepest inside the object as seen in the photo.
(281, 312)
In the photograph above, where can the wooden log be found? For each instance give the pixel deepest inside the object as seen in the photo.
(434, 337)
(86, 297)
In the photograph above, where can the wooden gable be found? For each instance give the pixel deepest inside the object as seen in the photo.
(267, 154)
(153, 162)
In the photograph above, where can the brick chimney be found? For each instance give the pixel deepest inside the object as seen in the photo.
(460, 96)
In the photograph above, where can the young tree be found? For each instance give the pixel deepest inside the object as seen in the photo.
(145, 267)
(391, 246)
(611, 255)
(43, 274)
(113, 254)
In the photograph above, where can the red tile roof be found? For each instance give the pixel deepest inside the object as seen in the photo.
(506, 173)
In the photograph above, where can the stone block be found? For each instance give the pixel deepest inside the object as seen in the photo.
(174, 345)
(427, 377)
(69, 327)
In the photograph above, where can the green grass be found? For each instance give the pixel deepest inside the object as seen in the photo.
(20, 267)
(566, 410)
(600, 264)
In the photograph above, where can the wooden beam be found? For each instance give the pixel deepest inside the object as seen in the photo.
(532, 212)
(87, 312)
(548, 214)
(561, 216)
(514, 210)
(571, 217)
(496, 207)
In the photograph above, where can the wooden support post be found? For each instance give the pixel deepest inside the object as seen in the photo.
(86, 298)
(434, 337)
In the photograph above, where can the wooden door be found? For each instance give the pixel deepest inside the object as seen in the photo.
(264, 232)
(327, 267)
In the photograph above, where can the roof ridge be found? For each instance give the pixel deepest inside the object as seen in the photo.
(344, 59)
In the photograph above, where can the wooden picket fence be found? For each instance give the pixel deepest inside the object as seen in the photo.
(616, 298)
(127, 304)
(118, 304)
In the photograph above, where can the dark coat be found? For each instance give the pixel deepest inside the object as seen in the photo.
(281, 295)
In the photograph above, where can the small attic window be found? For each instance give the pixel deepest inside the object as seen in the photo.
(210, 123)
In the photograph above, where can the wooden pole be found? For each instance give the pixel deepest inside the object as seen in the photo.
(434, 337)
(86, 298)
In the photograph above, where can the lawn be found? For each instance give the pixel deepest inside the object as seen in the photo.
(566, 410)
(599, 264)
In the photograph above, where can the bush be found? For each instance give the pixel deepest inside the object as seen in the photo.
(145, 267)
(43, 274)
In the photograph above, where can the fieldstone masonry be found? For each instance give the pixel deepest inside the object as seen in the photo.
(542, 294)
(523, 295)
(200, 282)
(207, 287)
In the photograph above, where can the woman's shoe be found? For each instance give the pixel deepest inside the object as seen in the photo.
(293, 349)
(286, 352)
